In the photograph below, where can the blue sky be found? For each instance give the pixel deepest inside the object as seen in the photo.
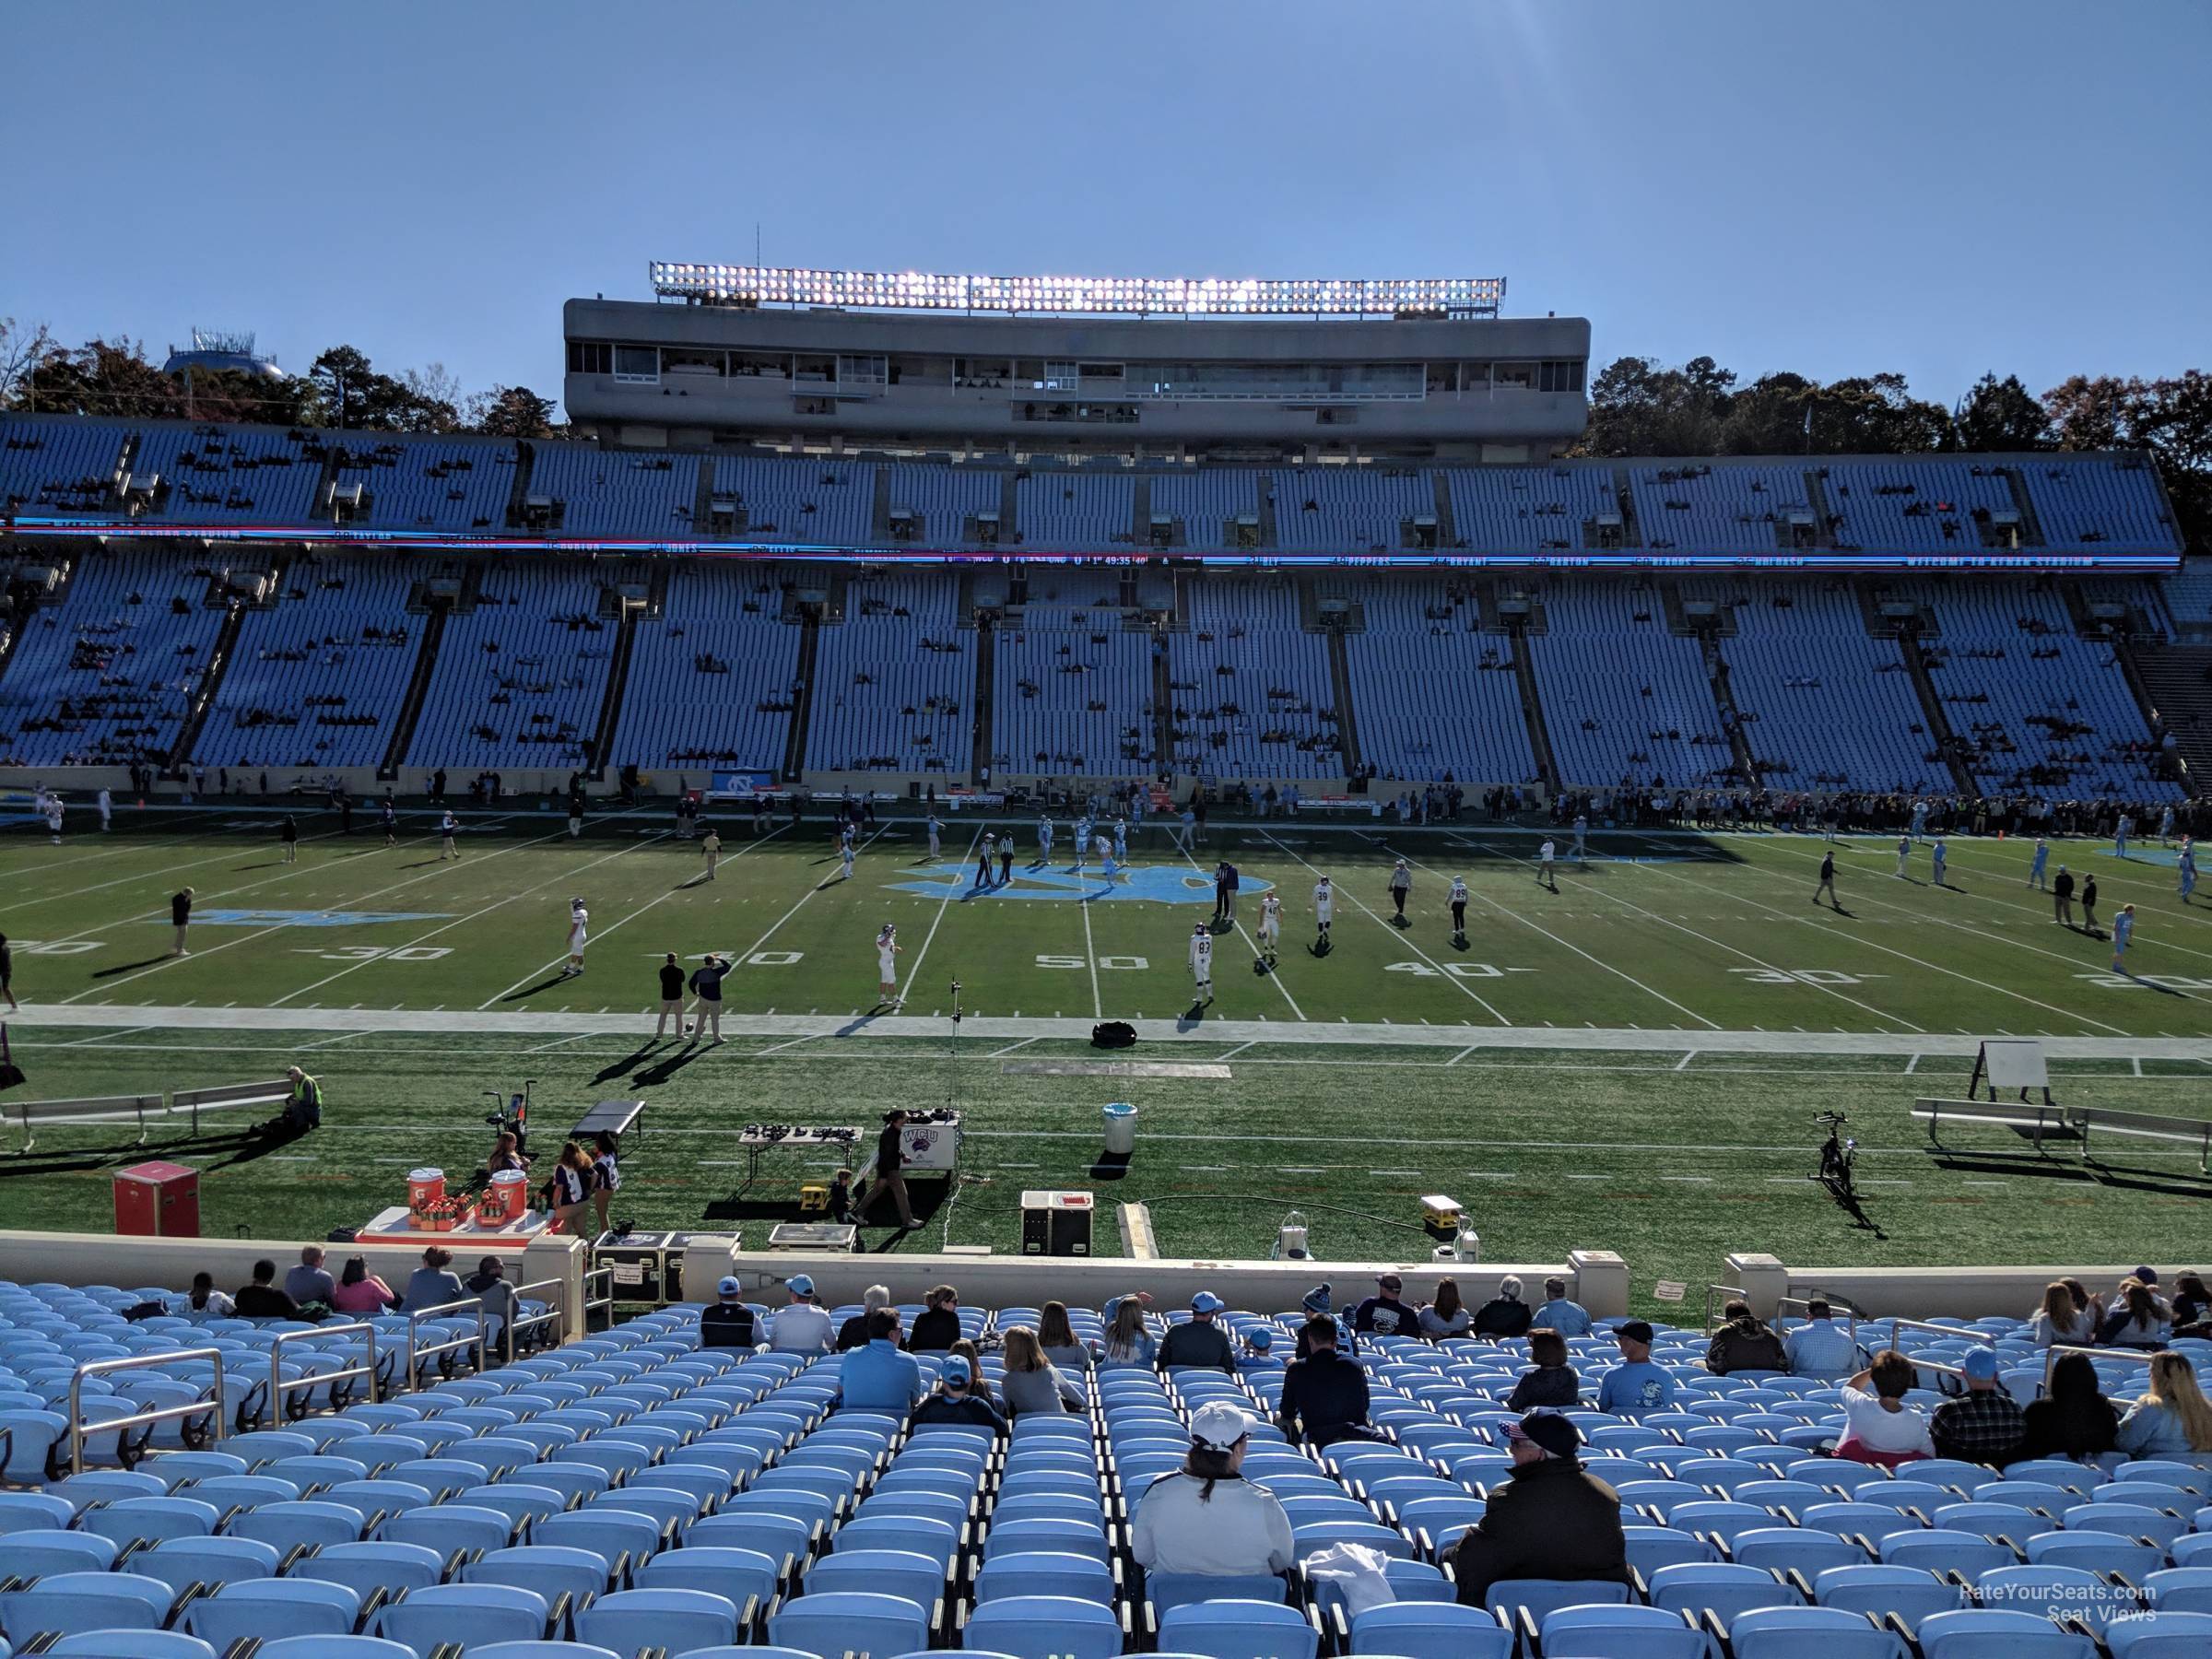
(1937, 188)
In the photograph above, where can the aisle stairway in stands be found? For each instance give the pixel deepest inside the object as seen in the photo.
(1532, 707)
(226, 647)
(980, 703)
(802, 702)
(2177, 687)
(617, 592)
(1939, 724)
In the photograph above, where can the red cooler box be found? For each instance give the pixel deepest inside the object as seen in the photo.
(158, 1200)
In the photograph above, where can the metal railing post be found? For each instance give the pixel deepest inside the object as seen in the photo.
(592, 1303)
(418, 1351)
(519, 1321)
(278, 1387)
(1712, 1290)
(220, 1399)
(2123, 1356)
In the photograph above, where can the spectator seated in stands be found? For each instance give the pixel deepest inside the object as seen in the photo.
(1820, 1348)
(432, 1285)
(1259, 1353)
(1568, 1318)
(489, 1285)
(360, 1291)
(937, 1326)
(1447, 1316)
(2073, 1419)
(2061, 1319)
(1199, 1340)
(1383, 1312)
(2138, 1319)
(1505, 1315)
(1127, 1340)
(2172, 1419)
(1878, 1427)
(204, 1297)
(1206, 1518)
(1551, 1519)
(1635, 1385)
(1324, 1394)
(1551, 1380)
(262, 1298)
(310, 1281)
(1743, 1342)
(1032, 1383)
(800, 1327)
(853, 1333)
(1058, 1337)
(727, 1322)
(876, 1376)
(2191, 1306)
(1983, 1425)
(954, 1401)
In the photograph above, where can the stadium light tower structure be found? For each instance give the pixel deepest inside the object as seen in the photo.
(1174, 369)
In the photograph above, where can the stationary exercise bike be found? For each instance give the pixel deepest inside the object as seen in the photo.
(1838, 1154)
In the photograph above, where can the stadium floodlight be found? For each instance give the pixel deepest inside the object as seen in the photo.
(1123, 296)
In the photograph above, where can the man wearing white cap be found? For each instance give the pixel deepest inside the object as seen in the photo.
(1200, 1340)
(801, 1328)
(1206, 1518)
(728, 1322)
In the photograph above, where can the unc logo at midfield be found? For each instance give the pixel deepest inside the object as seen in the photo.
(1152, 884)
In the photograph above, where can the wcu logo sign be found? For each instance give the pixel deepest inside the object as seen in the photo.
(1151, 885)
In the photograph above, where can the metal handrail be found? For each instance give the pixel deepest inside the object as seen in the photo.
(160, 1414)
(418, 1351)
(1712, 1290)
(592, 1304)
(2125, 1356)
(280, 1386)
(1897, 1322)
(519, 1321)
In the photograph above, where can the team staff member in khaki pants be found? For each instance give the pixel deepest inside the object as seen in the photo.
(672, 998)
(179, 917)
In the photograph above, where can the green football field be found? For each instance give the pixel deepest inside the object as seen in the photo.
(1631, 1061)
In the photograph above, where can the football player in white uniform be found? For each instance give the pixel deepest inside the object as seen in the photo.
(1202, 963)
(887, 963)
(579, 923)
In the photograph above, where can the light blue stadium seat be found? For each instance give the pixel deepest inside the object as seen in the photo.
(76, 1602)
(1599, 1630)
(2163, 1635)
(1043, 1573)
(2179, 1590)
(2097, 1551)
(899, 1572)
(612, 1535)
(1998, 1634)
(29, 1554)
(1968, 1554)
(312, 1523)
(1236, 1629)
(858, 1622)
(745, 1576)
(1810, 1633)
(680, 1621)
(332, 1647)
(1535, 1598)
(2053, 1593)
(367, 1568)
(446, 1527)
(134, 1644)
(1725, 1588)
(2131, 1519)
(470, 1615)
(287, 1606)
(1431, 1630)
(34, 1512)
(551, 1570)
(181, 1562)
(570, 1650)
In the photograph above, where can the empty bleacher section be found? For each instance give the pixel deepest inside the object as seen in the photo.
(106, 675)
(1530, 508)
(2098, 502)
(1251, 691)
(612, 492)
(314, 680)
(1625, 700)
(521, 676)
(1824, 705)
(1431, 695)
(1914, 506)
(1338, 508)
(821, 503)
(895, 681)
(212, 473)
(458, 484)
(710, 677)
(1700, 508)
(936, 506)
(1204, 508)
(635, 1490)
(2039, 711)
(54, 465)
(1071, 693)
(1075, 510)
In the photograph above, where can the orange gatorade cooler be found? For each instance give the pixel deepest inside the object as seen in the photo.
(425, 1187)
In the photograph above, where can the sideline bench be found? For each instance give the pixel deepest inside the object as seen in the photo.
(225, 1096)
(2195, 1132)
(1999, 1113)
(88, 1109)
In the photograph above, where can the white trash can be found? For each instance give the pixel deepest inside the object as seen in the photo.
(1121, 1128)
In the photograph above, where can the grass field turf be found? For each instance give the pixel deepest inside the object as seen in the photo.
(1669, 1154)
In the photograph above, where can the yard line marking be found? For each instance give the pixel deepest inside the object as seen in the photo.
(92, 1042)
(1463, 1053)
(914, 975)
(1404, 934)
(1609, 967)
(778, 1047)
(1393, 1171)
(623, 922)
(1090, 959)
(165, 872)
(556, 1042)
(1682, 1064)
(1023, 1043)
(1234, 1052)
(1912, 1066)
(1690, 1179)
(1251, 944)
(263, 932)
(473, 916)
(349, 1036)
(2136, 1062)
